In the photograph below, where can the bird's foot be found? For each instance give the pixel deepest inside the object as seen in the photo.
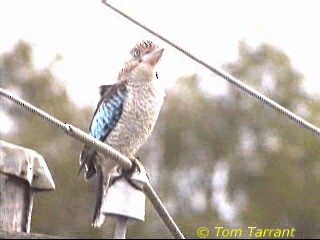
(136, 165)
(127, 174)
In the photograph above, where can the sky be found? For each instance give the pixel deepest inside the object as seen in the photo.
(94, 41)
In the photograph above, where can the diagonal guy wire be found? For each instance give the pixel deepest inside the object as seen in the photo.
(122, 160)
(269, 102)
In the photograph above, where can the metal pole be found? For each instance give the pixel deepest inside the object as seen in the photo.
(120, 228)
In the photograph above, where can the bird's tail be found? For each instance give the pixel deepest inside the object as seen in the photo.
(87, 160)
(98, 217)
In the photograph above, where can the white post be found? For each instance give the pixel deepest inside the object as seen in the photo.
(22, 173)
(120, 228)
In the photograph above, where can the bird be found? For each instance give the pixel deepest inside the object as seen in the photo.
(125, 116)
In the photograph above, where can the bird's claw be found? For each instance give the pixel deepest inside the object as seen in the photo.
(136, 165)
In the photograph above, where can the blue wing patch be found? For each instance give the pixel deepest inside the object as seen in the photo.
(108, 112)
(105, 118)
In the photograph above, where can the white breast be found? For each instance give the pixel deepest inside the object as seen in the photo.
(141, 111)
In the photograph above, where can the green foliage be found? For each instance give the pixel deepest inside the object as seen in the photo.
(67, 210)
(206, 151)
(274, 161)
(271, 162)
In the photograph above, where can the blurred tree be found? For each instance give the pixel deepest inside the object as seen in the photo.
(275, 162)
(66, 211)
(228, 160)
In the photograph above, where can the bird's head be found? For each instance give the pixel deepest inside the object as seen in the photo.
(141, 67)
(141, 49)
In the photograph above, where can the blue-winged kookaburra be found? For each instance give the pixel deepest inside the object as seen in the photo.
(126, 115)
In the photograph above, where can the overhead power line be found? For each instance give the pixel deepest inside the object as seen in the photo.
(236, 82)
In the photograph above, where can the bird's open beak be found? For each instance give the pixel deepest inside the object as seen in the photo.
(153, 57)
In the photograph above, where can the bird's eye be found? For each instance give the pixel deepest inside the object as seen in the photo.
(157, 75)
(136, 53)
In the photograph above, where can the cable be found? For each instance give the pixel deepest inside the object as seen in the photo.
(34, 110)
(162, 211)
(269, 102)
(122, 160)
